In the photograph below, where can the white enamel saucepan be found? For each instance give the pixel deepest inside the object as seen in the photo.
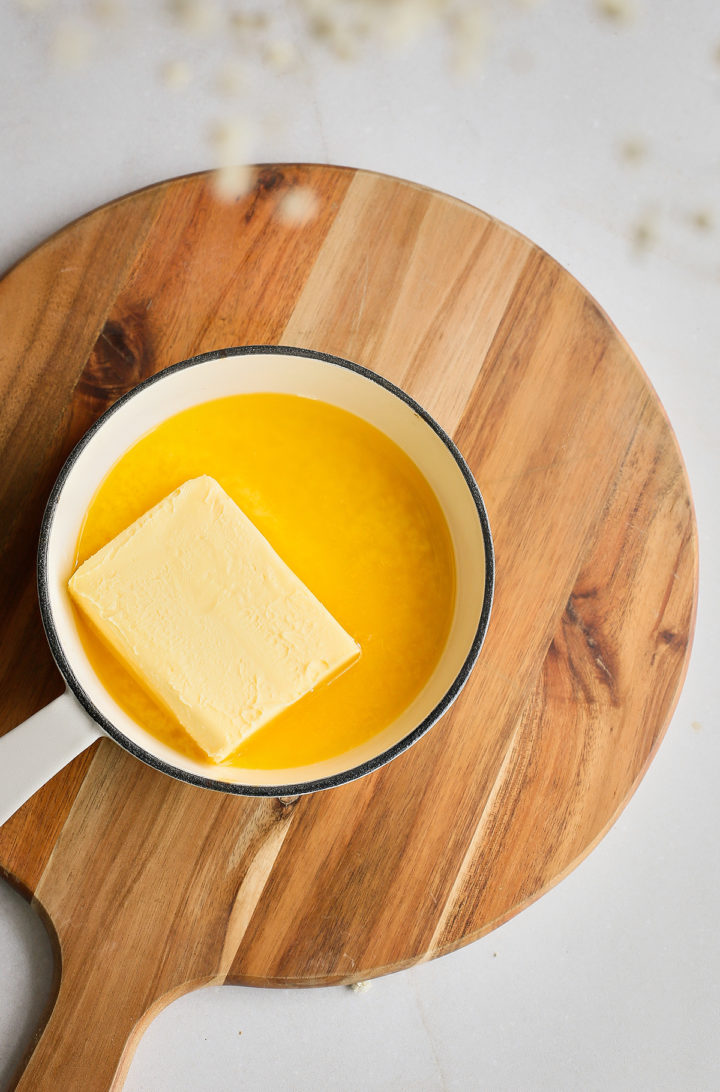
(34, 751)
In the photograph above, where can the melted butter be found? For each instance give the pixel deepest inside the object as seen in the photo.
(347, 510)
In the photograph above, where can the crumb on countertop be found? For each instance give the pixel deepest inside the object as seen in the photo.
(633, 150)
(616, 11)
(176, 74)
(72, 44)
(702, 220)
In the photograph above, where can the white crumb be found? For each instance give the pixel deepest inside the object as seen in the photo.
(231, 141)
(644, 232)
(633, 150)
(404, 21)
(233, 181)
(616, 11)
(71, 45)
(360, 987)
(298, 206)
(339, 39)
(199, 17)
(107, 11)
(280, 56)
(702, 220)
(176, 74)
(470, 34)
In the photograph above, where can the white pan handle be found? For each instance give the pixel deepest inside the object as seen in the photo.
(38, 748)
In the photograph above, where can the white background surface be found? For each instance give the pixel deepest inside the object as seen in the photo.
(612, 980)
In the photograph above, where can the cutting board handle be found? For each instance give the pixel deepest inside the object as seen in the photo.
(38, 748)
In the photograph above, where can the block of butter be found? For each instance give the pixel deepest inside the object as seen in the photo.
(205, 614)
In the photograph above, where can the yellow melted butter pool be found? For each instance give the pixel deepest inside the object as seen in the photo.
(347, 510)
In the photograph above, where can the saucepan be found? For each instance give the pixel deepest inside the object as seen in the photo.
(37, 749)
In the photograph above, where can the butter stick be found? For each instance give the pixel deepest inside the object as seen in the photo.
(212, 621)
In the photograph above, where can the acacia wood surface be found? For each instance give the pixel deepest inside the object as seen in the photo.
(151, 887)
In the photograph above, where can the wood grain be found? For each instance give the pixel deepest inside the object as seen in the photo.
(150, 887)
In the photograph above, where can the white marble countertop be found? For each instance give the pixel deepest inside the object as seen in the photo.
(600, 139)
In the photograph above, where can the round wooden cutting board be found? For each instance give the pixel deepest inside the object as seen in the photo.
(151, 887)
